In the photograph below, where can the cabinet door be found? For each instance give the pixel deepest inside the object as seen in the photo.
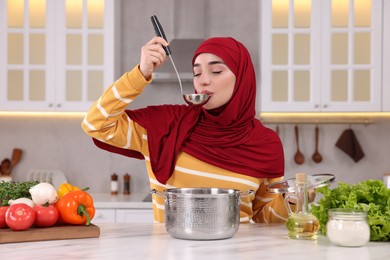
(290, 62)
(321, 55)
(27, 70)
(351, 60)
(134, 216)
(56, 55)
(104, 216)
(84, 51)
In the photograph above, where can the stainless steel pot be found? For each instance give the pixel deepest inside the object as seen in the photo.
(202, 213)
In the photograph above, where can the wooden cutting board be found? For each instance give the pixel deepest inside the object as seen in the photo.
(49, 233)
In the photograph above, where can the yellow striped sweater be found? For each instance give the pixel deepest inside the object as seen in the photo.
(107, 122)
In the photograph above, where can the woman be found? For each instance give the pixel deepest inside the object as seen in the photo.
(220, 144)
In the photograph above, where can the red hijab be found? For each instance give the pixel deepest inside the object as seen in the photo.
(229, 137)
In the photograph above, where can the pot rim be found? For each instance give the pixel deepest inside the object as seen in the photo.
(211, 192)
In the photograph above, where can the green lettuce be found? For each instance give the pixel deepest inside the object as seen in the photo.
(371, 196)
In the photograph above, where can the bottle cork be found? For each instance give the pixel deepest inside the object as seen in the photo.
(114, 184)
(126, 184)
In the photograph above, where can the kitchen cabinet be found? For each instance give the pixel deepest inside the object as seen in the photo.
(123, 215)
(56, 55)
(134, 216)
(122, 208)
(104, 216)
(321, 56)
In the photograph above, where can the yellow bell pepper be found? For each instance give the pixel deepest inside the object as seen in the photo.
(65, 188)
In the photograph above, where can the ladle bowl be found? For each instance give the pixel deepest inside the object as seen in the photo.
(196, 99)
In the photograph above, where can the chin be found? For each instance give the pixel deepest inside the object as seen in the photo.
(208, 106)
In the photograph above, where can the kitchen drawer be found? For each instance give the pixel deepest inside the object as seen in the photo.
(104, 216)
(134, 216)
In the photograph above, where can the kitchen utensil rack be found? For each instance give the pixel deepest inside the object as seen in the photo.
(54, 177)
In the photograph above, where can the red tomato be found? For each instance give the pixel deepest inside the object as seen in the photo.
(3, 209)
(19, 216)
(45, 216)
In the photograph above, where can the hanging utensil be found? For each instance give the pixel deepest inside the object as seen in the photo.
(317, 158)
(298, 158)
(191, 99)
(15, 159)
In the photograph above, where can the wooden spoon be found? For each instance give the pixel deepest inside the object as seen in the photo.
(317, 158)
(298, 158)
(15, 159)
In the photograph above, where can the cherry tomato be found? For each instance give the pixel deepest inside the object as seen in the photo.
(45, 216)
(3, 210)
(19, 216)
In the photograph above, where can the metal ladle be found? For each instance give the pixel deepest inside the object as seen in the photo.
(191, 99)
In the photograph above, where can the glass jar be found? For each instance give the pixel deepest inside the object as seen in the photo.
(348, 227)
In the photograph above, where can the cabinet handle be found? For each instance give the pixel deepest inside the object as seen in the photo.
(58, 105)
(50, 105)
(325, 106)
(316, 106)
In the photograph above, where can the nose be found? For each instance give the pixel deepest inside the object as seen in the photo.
(204, 79)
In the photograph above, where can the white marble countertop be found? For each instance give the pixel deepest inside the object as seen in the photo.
(151, 241)
(120, 201)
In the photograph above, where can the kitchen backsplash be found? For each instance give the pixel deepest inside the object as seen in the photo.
(59, 143)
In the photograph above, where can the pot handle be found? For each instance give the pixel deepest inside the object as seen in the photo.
(156, 192)
(246, 193)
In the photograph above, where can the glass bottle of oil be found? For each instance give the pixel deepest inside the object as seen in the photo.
(301, 224)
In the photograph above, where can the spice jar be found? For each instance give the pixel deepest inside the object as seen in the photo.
(348, 227)
(114, 184)
(126, 184)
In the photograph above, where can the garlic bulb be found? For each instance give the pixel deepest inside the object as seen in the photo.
(22, 200)
(43, 194)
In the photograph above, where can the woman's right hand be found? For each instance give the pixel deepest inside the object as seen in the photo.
(152, 56)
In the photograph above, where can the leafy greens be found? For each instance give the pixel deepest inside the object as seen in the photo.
(371, 196)
(15, 190)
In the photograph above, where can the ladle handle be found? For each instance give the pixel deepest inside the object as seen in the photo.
(160, 32)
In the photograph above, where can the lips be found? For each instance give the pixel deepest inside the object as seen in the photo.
(207, 92)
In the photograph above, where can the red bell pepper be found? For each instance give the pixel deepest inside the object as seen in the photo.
(76, 207)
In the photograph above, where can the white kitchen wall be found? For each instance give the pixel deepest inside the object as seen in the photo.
(59, 142)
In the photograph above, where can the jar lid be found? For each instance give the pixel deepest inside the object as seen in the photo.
(347, 214)
(313, 181)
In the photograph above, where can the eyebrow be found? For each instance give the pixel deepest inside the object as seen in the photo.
(210, 63)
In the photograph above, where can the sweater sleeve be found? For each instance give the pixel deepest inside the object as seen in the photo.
(268, 207)
(107, 121)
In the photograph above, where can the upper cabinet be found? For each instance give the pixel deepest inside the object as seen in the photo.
(321, 55)
(56, 55)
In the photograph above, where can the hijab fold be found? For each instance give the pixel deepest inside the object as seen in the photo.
(232, 138)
